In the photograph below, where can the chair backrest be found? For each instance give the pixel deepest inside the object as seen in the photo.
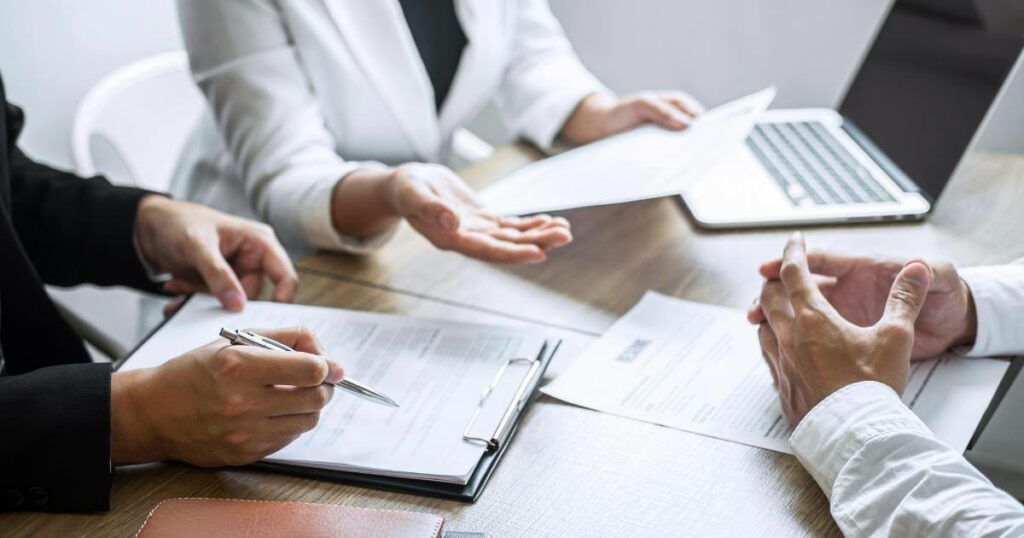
(145, 112)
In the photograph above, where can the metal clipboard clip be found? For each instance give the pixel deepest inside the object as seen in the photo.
(501, 433)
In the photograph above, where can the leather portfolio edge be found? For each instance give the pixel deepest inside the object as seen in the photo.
(455, 492)
(437, 529)
(468, 493)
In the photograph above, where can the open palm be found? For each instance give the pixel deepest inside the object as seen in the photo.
(443, 209)
(859, 286)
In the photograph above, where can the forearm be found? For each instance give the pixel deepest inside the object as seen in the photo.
(55, 446)
(76, 230)
(587, 122)
(361, 204)
(887, 475)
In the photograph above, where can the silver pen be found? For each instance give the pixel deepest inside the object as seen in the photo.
(249, 338)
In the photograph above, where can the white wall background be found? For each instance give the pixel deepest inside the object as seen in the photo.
(52, 51)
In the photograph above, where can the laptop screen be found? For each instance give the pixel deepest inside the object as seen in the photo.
(933, 72)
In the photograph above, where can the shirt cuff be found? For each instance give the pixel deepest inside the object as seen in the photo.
(302, 204)
(998, 293)
(844, 422)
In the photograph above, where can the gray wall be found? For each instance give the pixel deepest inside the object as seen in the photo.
(52, 51)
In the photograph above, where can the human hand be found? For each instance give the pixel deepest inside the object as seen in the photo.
(207, 251)
(441, 207)
(599, 116)
(858, 288)
(221, 404)
(812, 351)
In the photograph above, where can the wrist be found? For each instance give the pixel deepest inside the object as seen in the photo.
(968, 331)
(589, 121)
(132, 436)
(147, 218)
(362, 204)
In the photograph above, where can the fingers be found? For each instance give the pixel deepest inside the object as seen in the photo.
(796, 275)
(173, 306)
(484, 247)
(545, 238)
(280, 401)
(264, 367)
(819, 263)
(908, 294)
(218, 275)
(277, 266)
(778, 311)
(252, 283)
(532, 222)
(769, 350)
(660, 112)
(298, 338)
(428, 207)
(684, 102)
(755, 315)
(291, 425)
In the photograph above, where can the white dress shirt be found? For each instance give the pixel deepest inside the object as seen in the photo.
(884, 471)
(304, 92)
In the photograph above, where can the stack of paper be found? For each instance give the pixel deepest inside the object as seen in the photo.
(649, 162)
(698, 368)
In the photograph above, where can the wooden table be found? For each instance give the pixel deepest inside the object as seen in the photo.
(569, 471)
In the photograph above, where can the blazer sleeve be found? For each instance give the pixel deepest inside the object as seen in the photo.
(245, 63)
(55, 441)
(76, 230)
(545, 80)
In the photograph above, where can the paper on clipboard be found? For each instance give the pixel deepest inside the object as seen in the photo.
(436, 370)
(649, 162)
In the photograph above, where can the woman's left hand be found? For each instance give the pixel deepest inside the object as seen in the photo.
(599, 115)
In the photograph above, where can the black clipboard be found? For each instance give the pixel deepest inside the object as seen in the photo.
(469, 493)
(1016, 364)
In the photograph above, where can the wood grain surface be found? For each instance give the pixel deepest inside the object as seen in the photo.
(570, 471)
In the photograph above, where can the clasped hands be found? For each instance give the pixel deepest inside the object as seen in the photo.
(827, 321)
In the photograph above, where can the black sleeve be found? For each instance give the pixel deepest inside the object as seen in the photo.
(55, 447)
(76, 230)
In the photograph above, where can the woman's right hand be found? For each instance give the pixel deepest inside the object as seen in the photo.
(441, 207)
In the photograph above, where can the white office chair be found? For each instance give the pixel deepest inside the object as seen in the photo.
(144, 112)
(147, 110)
(131, 127)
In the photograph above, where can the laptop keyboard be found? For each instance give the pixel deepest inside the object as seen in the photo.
(811, 167)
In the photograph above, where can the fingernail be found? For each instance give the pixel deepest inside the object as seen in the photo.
(922, 277)
(335, 373)
(448, 221)
(234, 300)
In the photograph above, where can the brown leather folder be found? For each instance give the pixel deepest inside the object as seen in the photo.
(199, 518)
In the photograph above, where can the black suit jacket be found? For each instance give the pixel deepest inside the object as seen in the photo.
(54, 403)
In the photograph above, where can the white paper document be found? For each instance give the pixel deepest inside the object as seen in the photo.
(649, 162)
(436, 370)
(698, 368)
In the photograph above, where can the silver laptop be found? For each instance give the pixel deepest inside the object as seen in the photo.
(911, 114)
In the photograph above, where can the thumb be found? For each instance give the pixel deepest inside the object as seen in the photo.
(430, 207)
(908, 293)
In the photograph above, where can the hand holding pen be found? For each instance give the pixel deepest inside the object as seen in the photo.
(222, 404)
(249, 338)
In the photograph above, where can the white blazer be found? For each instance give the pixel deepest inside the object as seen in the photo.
(304, 92)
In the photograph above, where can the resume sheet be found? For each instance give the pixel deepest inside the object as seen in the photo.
(699, 368)
(648, 162)
(436, 370)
